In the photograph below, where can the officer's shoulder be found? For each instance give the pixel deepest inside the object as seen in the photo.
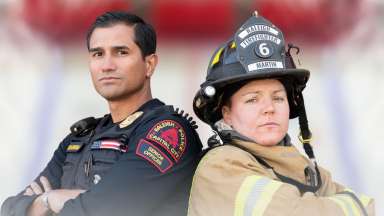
(166, 135)
(78, 129)
(177, 115)
(229, 153)
(84, 126)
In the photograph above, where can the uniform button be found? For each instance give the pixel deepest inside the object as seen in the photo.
(96, 178)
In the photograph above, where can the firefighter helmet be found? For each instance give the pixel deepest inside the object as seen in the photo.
(257, 51)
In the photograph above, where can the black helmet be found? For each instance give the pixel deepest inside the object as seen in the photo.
(257, 51)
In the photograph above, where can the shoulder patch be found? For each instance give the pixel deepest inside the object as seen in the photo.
(170, 135)
(152, 154)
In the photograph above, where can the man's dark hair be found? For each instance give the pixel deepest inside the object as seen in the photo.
(145, 35)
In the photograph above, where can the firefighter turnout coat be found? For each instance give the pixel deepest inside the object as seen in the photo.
(230, 181)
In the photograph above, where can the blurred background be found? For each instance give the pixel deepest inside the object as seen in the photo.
(45, 85)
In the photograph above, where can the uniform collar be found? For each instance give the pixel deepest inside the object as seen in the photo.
(286, 160)
(227, 133)
(150, 105)
(147, 106)
(232, 134)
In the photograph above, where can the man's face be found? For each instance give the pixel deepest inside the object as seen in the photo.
(117, 67)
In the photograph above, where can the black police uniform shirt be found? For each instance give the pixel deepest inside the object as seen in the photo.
(147, 173)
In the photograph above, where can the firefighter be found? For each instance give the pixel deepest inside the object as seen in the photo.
(251, 91)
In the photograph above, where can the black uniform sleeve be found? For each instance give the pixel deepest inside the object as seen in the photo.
(152, 178)
(19, 204)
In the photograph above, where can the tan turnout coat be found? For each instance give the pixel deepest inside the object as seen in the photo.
(230, 181)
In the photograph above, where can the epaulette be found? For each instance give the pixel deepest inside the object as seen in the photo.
(84, 126)
(186, 116)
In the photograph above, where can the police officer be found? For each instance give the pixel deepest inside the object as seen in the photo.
(251, 90)
(137, 160)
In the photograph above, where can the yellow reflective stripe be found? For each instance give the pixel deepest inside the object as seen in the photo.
(242, 194)
(254, 195)
(266, 197)
(217, 57)
(363, 198)
(346, 203)
(352, 206)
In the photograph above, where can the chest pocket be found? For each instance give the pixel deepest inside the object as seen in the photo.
(70, 168)
(102, 162)
(71, 164)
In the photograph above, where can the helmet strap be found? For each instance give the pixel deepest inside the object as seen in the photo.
(305, 138)
(305, 134)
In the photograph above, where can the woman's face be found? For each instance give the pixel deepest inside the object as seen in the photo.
(259, 110)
